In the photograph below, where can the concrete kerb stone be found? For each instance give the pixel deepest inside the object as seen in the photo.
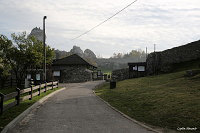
(27, 111)
(127, 117)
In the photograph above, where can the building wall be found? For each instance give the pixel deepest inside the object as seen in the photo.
(120, 74)
(73, 74)
(136, 74)
(125, 73)
(163, 61)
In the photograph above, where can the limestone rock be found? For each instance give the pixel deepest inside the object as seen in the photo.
(89, 54)
(77, 50)
(37, 33)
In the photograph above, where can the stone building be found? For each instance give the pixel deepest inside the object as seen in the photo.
(73, 69)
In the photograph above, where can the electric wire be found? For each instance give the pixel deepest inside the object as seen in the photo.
(105, 20)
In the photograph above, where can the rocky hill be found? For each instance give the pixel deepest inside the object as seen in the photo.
(37, 33)
(89, 54)
(86, 54)
(107, 64)
(77, 50)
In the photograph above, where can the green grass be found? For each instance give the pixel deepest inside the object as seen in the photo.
(106, 71)
(168, 100)
(13, 112)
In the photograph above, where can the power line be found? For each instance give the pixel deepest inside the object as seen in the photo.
(105, 20)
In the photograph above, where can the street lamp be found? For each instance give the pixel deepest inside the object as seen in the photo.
(44, 67)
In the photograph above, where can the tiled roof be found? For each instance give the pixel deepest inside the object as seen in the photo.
(73, 59)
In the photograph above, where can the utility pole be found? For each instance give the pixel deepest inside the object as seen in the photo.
(146, 54)
(154, 59)
(146, 62)
(44, 50)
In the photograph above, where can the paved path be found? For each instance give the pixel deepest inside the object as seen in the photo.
(76, 110)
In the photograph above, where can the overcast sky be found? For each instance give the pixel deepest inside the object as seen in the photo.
(166, 23)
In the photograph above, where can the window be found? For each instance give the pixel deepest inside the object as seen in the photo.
(56, 73)
(28, 76)
(141, 68)
(37, 76)
(135, 68)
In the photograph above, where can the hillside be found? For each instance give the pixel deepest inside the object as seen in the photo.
(167, 100)
(118, 61)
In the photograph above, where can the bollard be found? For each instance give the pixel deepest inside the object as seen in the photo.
(39, 89)
(112, 84)
(31, 93)
(1, 103)
(45, 87)
(18, 96)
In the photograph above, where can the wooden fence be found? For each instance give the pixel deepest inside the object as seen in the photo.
(21, 95)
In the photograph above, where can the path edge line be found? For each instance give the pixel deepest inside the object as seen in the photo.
(28, 110)
(126, 116)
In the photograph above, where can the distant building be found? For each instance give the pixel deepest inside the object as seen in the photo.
(73, 68)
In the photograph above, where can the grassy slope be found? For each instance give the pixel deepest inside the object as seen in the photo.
(13, 112)
(168, 100)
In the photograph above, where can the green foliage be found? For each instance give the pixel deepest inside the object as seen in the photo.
(30, 50)
(134, 53)
(5, 46)
(24, 53)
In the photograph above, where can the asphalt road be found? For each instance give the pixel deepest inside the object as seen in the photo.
(76, 110)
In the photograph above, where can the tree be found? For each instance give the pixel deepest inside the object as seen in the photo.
(28, 54)
(5, 46)
(25, 53)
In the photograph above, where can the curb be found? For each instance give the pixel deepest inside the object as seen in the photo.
(28, 110)
(127, 117)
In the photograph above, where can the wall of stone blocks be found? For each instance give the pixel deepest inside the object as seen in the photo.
(120, 74)
(74, 74)
(163, 61)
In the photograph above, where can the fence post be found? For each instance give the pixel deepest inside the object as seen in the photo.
(45, 87)
(1, 104)
(52, 84)
(39, 89)
(18, 96)
(31, 92)
(11, 83)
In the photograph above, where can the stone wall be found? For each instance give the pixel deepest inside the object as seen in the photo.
(74, 74)
(163, 61)
(120, 74)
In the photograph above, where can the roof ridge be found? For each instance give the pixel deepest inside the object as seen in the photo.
(58, 61)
